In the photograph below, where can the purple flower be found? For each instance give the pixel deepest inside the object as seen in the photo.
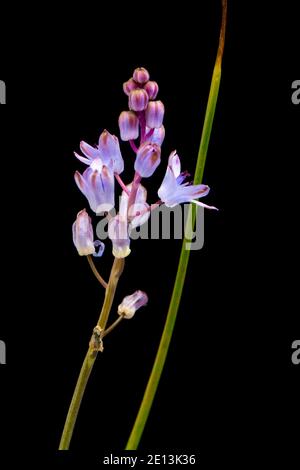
(97, 183)
(83, 236)
(147, 159)
(174, 191)
(132, 303)
(108, 151)
(118, 233)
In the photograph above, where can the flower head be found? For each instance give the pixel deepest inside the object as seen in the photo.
(98, 185)
(83, 236)
(174, 191)
(132, 303)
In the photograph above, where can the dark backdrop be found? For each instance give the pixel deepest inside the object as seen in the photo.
(229, 388)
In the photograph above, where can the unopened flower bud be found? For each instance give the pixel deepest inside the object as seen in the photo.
(132, 303)
(157, 136)
(138, 100)
(141, 75)
(129, 86)
(152, 89)
(129, 125)
(155, 114)
(147, 159)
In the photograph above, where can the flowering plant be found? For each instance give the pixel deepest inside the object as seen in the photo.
(142, 127)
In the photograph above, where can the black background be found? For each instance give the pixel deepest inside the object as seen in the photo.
(229, 390)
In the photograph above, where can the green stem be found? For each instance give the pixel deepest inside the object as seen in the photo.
(90, 357)
(162, 352)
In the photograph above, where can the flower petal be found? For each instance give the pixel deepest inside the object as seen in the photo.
(89, 151)
(87, 161)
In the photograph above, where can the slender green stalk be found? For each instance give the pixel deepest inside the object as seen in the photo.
(113, 326)
(162, 352)
(95, 272)
(91, 355)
